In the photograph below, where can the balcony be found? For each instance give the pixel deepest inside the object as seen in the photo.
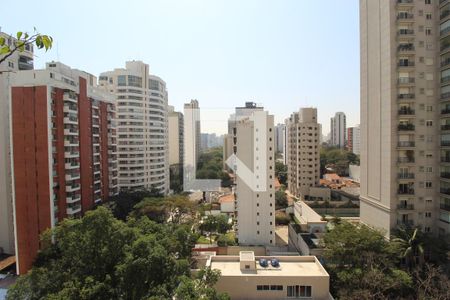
(405, 175)
(445, 111)
(406, 159)
(404, 2)
(445, 31)
(73, 210)
(72, 188)
(445, 175)
(405, 33)
(73, 199)
(71, 97)
(445, 143)
(406, 127)
(406, 49)
(406, 111)
(70, 108)
(72, 165)
(445, 159)
(405, 17)
(406, 80)
(445, 45)
(445, 207)
(445, 80)
(406, 96)
(445, 191)
(445, 62)
(405, 206)
(445, 96)
(405, 64)
(71, 154)
(444, 14)
(406, 144)
(409, 191)
(407, 223)
(445, 127)
(70, 131)
(73, 143)
(73, 176)
(71, 120)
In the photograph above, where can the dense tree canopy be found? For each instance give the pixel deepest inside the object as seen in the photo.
(364, 265)
(100, 257)
(210, 166)
(338, 158)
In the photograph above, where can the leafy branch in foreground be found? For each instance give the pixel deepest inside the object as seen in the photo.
(22, 40)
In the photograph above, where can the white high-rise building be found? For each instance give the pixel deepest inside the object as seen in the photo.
(176, 137)
(255, 193)
(303, 151)
(405, 115)
(142, 126)
(338, 130)
(192, 141)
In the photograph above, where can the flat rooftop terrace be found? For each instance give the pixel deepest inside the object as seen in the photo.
(295, 266)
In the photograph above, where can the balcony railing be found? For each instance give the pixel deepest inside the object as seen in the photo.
(445, 14)
(406, 96)
(445, 96)
(445, 159)
(406, 64)
(404, 1)
(445, 31)
(445, 127)
(406, 175)
(406, 159)
(445, 175)
(406, 48)
(406, 111)
(445, 143)
(406, 127)
(445, 207)
(445, 46)
(405, 222)
(445, 79)
(405, 16)
(406, 80)
(445, 191)
(403, 32)
(405, 192)
(406, 144)
(445, 62)
(405, 206)
(445, 111)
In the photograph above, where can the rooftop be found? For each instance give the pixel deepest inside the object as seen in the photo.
(226, 198)
(298, 266)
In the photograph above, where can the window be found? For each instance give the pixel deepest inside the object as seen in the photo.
(429, 123)
(428, 16)
(427, 1)
(428, 214)
(121, 80)
(427, 31)
(134, 81)
(428, 184)
(247, 266)
(296, 291)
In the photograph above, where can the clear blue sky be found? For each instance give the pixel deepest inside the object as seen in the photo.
(282, 54)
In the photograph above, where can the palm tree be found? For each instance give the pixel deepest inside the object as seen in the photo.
(411, 246)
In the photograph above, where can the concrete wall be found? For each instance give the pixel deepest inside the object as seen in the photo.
(355, 172)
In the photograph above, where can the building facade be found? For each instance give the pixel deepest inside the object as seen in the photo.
(338, 130)
(279, 137)
(405, 101)
(255, 176)
(62, 149)
(142, 126)
(192, 142)
(303, 151)
(16, 62)
(247, 276)
(353, 140)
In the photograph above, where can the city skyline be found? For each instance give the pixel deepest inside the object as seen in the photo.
(226, 52)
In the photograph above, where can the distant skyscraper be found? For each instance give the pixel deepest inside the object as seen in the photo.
(176, 137)
(303, 151)
(279, 134)
(63, 153)
(255, 194)
(338, 130)
(353, 139)
(405, 109)
(142, 126)
(192, 139)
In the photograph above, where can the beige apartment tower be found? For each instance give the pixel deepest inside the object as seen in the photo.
(405, 114)
(255, 192)
(303, 151)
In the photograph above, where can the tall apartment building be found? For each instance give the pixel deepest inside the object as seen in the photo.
(303, 151)
(192, 141)
(176, 147)
(230, 138)
(62, 143)
(353, 139)
(17, 61)
(279, 137)
(176, 137)
(142, 126)
(255, 193)
(405, 104)
(338, 130)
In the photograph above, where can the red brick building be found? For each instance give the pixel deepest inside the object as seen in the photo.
(63, 151)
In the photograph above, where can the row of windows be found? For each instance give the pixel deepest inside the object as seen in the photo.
(269, 287)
